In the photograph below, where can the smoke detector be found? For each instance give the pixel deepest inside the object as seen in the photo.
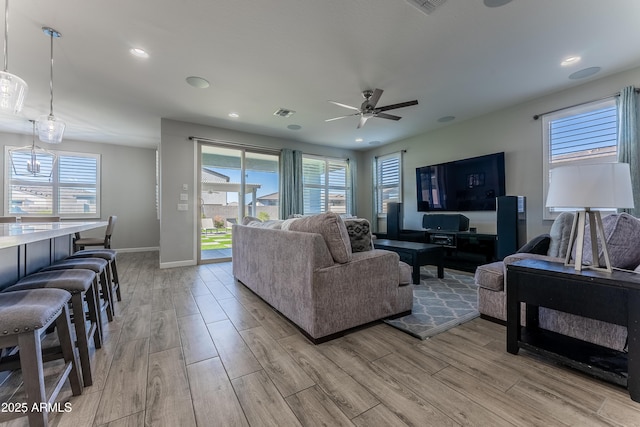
(427, 6)
(284, 112)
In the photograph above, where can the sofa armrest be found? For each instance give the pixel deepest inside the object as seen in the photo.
(524, 255)
(358, 292)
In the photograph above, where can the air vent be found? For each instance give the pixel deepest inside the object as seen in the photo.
(284, 112)
(427, 6)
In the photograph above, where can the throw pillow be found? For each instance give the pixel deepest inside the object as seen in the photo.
(622, 233)
(248, 219)
(560, 233)
(332, 229)
(359, 234)
(538, 245)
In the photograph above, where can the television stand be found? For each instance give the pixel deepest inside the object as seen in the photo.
(463, 250)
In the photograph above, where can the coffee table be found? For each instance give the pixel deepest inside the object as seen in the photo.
(415, 254)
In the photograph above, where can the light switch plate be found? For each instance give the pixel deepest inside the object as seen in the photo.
(183, 207)
(184, 196)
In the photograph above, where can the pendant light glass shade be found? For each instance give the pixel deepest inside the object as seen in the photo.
(13, 89)
(32, 161)
(50, 129)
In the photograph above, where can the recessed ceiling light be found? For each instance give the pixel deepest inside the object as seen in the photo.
(570, 60)
(446, 119)
(294, 127)
(234, 115)
(587, 72)
(197, 82)
(359, 139)
(140, 53)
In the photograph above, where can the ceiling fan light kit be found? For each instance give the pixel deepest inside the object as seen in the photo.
(368, 108)
(13, 89)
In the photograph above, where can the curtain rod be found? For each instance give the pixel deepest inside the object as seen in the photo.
(388, 154)
(238, 145)
(537, 116)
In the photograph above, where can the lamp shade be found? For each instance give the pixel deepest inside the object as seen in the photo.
(600, 185)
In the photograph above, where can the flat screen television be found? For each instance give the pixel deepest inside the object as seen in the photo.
(463, 185)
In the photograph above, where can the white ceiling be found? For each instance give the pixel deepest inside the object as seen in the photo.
(464, 60)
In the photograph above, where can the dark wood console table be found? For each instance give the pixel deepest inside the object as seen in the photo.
(610, 297)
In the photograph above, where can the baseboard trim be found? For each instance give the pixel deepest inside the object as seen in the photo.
(172, 264)
(149, 249)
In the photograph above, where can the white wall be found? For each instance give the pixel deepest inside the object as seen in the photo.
(127, 188)
(512, 130)
(178, 159)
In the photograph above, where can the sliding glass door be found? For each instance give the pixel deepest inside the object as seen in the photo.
(233, 183)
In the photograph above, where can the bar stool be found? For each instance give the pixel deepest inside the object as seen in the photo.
(81, 285)
(24, 316)
(99, 267)
(110, 256)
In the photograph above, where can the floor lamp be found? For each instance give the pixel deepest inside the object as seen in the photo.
(583, 187)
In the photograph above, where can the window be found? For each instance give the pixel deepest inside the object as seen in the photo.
(387, 184)
(325, 185)
(71, 190)
(584, 134)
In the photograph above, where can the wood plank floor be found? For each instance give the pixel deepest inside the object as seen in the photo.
(191, 347)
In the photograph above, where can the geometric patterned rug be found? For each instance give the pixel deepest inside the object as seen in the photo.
(439, 304)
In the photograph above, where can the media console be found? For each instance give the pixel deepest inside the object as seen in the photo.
(463, 250)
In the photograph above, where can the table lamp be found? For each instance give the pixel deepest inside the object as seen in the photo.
(583, 187)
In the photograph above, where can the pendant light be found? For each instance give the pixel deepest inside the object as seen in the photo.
(13, 89)
(50, 129)
(32, 161)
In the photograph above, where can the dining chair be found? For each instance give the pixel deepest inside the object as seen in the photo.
(82, 242)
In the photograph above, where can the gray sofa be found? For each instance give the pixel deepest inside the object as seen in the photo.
(622, 232)
(309, 273)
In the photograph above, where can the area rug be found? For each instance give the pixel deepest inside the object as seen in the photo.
(439, 304)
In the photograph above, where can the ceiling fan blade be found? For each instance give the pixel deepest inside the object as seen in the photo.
(341, 117)
(387, 116)
(377, 93)
(400, 105)
(345, 105)
(362, 121)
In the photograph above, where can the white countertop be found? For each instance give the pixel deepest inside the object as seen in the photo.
(15, 234)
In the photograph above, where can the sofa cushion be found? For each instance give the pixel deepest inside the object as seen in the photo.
(249, 219)
(538, 245)
(622, 233)
(275, 224)
(560, 233)
(359, 232)
(332, 229)
(404, 274)
(491, 276)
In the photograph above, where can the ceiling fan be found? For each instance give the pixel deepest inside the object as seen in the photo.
(368, 108)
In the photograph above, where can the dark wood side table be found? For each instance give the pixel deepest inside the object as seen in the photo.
(415, 254)
(610, 297)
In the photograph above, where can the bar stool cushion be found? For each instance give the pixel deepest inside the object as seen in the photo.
(24, 311)
(108, 254)
(95, 264)
(74, 281)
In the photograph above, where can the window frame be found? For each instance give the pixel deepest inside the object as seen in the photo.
(379, 211)
(327, 185)
(55, 184)
(547, 165)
